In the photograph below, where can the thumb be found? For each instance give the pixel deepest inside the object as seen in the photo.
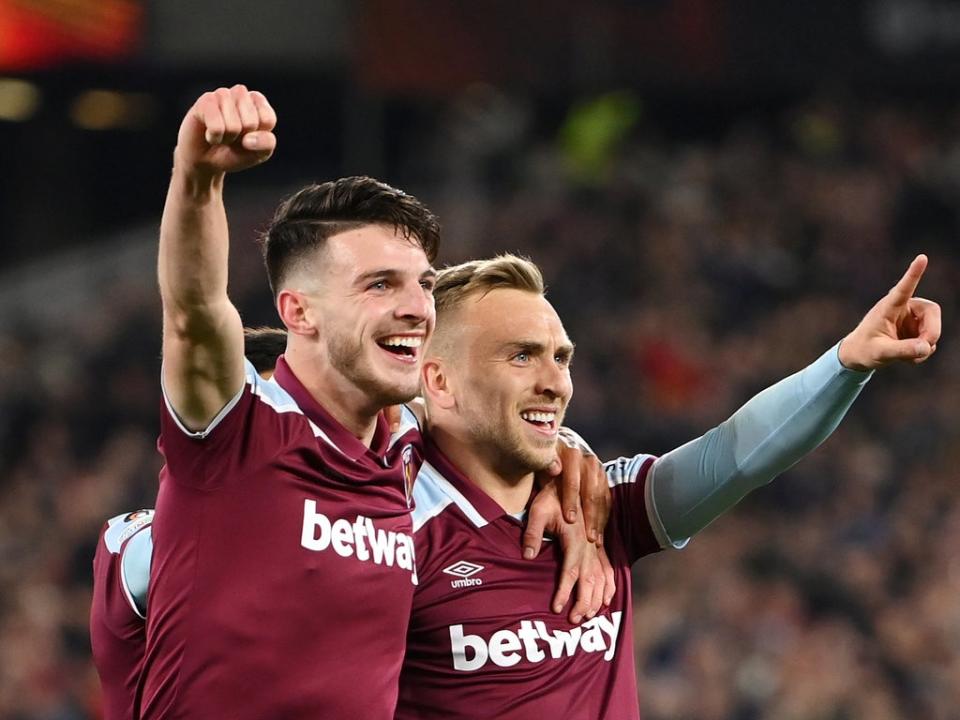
(262, 142)
(549, 473)
(393, 415)
(909, 349)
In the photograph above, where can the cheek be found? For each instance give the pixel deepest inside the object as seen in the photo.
(505, 398)
(365, 321)
(484, 399)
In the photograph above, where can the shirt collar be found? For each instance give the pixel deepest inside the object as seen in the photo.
(345, 440)
(488, 508)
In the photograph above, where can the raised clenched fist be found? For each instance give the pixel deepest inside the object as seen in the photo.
(225, 131)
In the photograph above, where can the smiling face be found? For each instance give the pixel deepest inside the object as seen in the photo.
(509, 376)
(371, 301)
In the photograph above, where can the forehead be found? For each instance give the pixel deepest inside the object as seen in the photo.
(371, 247)
(506, 315)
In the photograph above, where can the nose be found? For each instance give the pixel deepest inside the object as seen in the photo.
(554, 381)
(415, 304)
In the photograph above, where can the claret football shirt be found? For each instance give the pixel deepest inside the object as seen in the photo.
(117, 632)
(482, 641)
(283, 568)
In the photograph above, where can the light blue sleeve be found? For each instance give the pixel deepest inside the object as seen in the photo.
(693, 485)
(135, 568)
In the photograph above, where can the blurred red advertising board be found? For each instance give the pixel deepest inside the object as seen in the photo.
(39, 34)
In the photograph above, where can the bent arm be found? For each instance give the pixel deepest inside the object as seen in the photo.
(693, 485)
(202, 330)
(225, 131)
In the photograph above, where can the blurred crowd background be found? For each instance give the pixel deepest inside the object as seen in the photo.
(716, 192)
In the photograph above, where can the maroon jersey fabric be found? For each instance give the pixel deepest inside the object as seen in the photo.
(117, 631)
(482, 641)
(283, 567)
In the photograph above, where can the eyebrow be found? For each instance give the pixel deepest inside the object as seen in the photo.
(392, 274)
(535, 348)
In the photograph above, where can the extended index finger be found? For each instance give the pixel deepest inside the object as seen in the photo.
(907, 285)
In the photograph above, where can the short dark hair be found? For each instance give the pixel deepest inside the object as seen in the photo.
(263, 345)
(304, 221)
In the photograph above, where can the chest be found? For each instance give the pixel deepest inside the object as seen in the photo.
(479, 602)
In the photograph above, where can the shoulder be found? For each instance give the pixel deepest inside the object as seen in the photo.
(444, 521)
(270, 393)
(435, 497)
(256, 393)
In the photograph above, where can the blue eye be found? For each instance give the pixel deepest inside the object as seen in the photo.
(378, 285)
(522, 357)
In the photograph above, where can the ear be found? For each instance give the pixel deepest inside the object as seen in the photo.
(296, 313)
(437, 384)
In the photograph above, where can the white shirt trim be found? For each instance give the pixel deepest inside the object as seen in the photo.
(267, 391)
(432, 493)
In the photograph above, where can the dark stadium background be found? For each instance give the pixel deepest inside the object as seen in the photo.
(716, 191)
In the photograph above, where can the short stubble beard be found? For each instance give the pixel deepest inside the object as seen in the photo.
(346, 357)
(512, 455)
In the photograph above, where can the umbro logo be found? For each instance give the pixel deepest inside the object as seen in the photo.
(464, 571)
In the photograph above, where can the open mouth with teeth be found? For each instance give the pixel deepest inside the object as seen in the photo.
(402, 347)
(544, 421)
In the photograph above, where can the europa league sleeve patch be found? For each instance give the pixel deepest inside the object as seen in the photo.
(122, 527)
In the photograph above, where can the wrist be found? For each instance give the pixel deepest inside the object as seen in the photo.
(196, 181)
(847, 357)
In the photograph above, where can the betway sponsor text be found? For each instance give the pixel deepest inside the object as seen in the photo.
(360, 538)
(535, 643)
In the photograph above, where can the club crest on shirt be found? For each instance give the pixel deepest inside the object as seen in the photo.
(406, 458)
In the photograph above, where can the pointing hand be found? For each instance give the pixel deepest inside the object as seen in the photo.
(900, 327)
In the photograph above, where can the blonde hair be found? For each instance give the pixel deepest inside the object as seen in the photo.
(458, 282)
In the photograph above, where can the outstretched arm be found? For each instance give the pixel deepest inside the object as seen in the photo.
(225, 131)
(691, 486)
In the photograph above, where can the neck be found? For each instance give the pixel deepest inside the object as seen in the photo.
(347, 403)
(509, 488)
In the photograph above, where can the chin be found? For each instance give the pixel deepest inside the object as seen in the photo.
(385, 389)
(536, 459)
(397, 393)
